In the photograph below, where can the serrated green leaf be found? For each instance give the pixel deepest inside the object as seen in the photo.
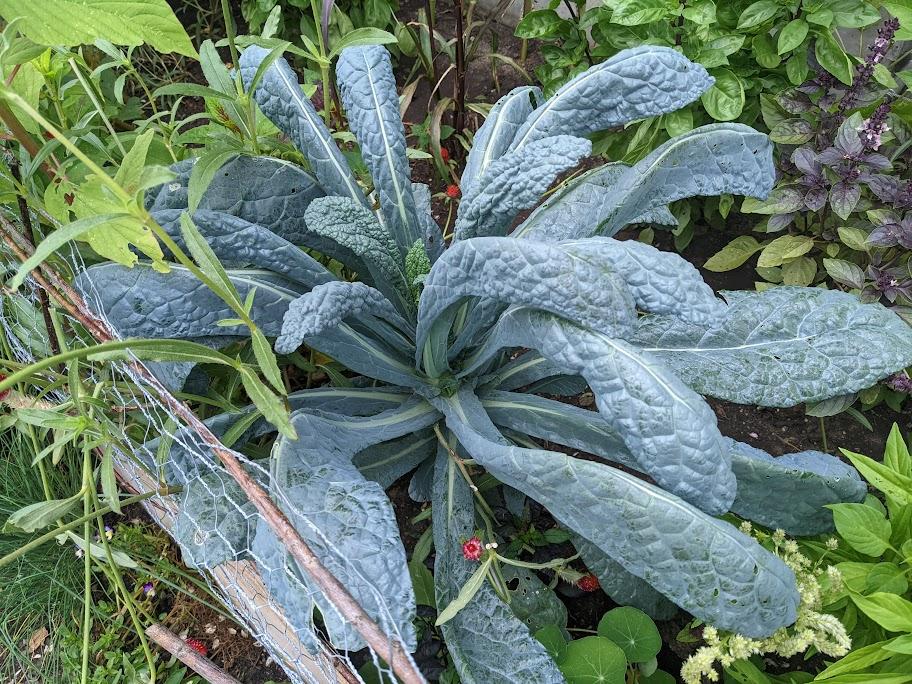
(131, 168)
(123, 22)
(882, 477)
(269, 404)
(896, 454)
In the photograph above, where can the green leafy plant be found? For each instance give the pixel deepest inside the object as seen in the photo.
(872, 595)
(839, 214)
(624, 649)
(753, 49)
(431, 388)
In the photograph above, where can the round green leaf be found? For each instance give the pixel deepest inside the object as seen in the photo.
(552, 638)
(659, 677)
(792, 35)
(725, 100)
(593, 660)
(633, 631)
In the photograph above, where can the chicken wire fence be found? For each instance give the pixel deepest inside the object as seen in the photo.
(212, 518)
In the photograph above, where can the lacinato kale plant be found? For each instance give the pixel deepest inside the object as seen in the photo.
(454, 351)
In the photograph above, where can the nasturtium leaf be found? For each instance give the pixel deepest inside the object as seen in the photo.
(593, 660)
(633, 631)
(552, 638)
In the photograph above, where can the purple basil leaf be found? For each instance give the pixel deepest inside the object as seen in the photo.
(843, 198)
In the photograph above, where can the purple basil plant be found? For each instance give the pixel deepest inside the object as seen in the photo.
(845, 181)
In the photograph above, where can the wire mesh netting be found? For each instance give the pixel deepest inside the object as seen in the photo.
(219, 530)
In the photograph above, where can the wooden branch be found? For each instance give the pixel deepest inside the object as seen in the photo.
(177, 647)
(387, 647)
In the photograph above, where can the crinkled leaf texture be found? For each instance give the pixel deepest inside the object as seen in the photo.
(327, 305)
(515, 182)
(569, 300)
(623, 588)
(496, 134)
(782, 347)
(710, 160)
(548, 277)
(141, 302)
(487, 642)
(669, 430)
(216, 521)
(269, 192)
(790, 492)
(361, 242)
(279, 96)
(240, 244)
(703, 564)
(634, 84)
(368, 90)
(346, 519)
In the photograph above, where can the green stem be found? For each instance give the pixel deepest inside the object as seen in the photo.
(122, 587)
(87, 87)
(823, 435)
(87, 562)
(229, 29)
(48, 536)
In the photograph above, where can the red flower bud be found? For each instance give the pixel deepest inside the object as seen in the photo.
(588, 582)
(444, 154)
(472, 549)
(452, 191)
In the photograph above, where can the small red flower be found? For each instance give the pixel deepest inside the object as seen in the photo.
(444, 154)
(588, 582)
(452, 191)
(197, 646)
(472, 549)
